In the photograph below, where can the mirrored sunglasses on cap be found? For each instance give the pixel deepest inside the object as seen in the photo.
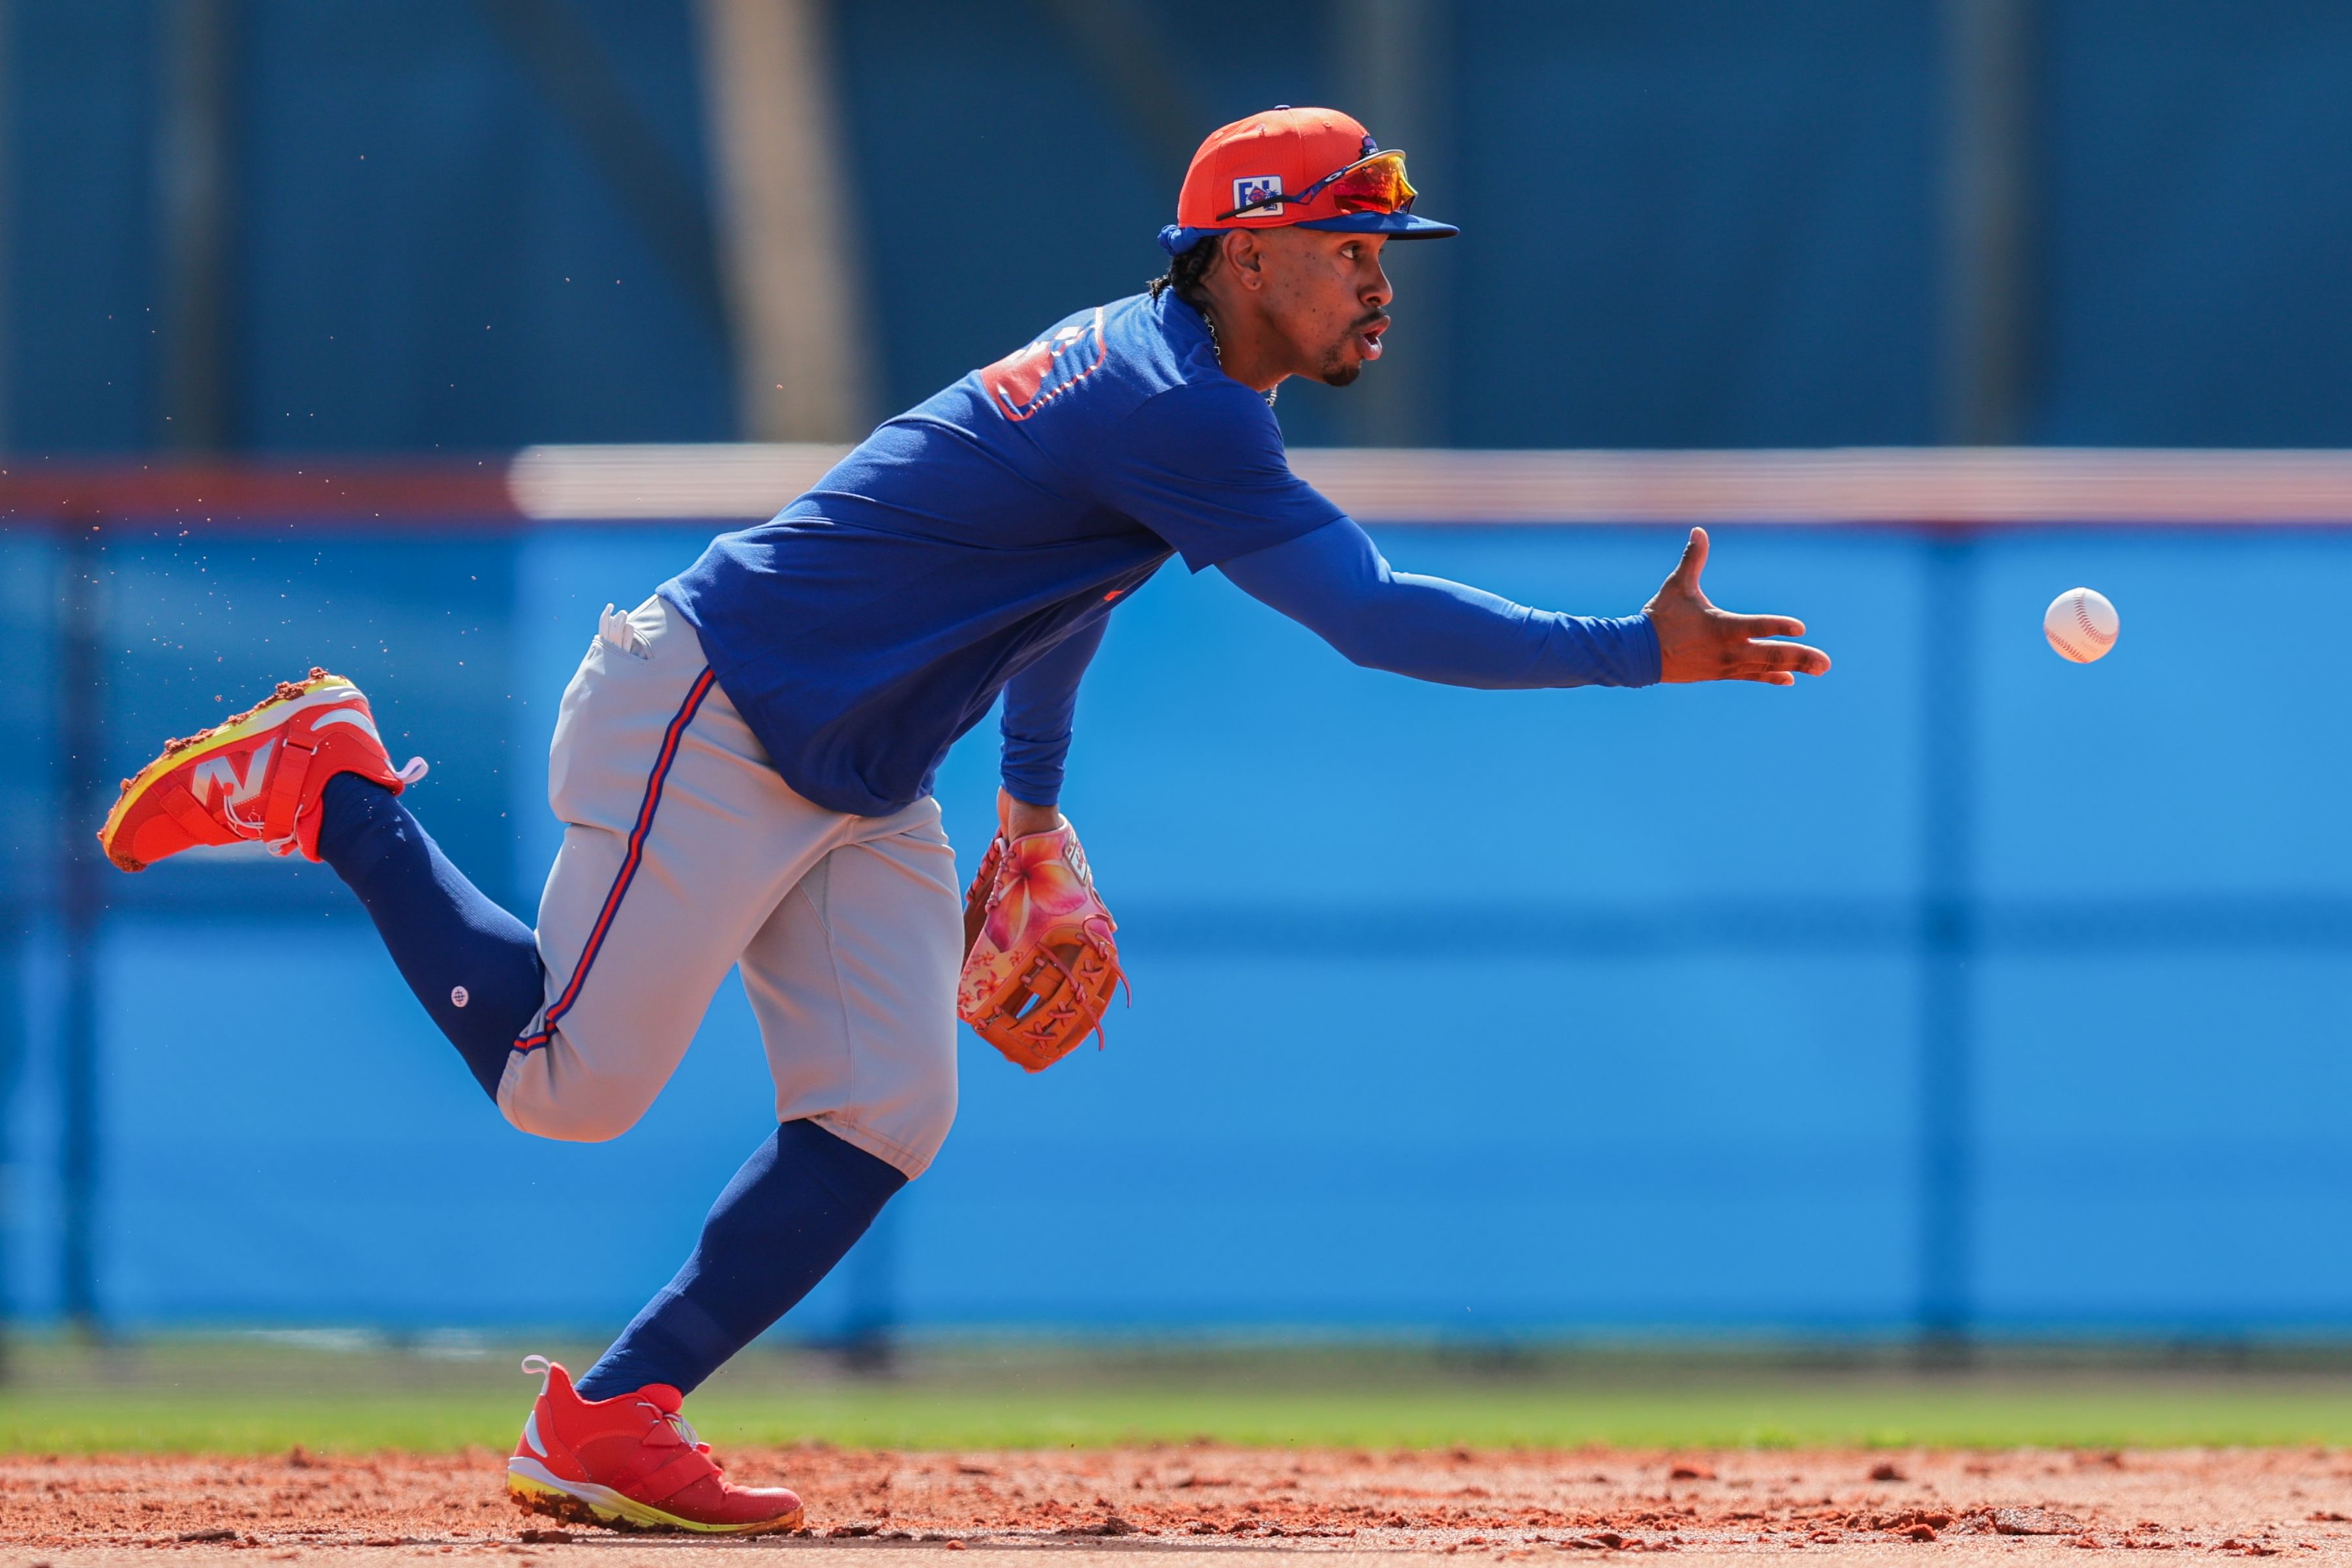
(1373, 185)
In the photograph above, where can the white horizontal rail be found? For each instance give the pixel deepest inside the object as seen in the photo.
(2009, 486)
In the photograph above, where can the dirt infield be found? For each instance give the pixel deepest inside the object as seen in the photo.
(1091, 1503)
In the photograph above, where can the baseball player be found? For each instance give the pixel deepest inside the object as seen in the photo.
(743, 765)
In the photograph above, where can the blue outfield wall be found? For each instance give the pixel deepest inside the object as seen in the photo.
(1465, 1012)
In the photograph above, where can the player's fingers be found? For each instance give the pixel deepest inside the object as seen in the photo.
(1790, 656)
(1769, 626)
(1776, 664)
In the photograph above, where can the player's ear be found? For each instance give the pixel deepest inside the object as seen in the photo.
(1243, 255)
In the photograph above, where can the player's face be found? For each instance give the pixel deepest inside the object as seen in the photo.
(1327, 295)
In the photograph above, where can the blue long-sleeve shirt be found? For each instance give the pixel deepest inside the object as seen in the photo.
(1335, 582)
(972, 546)
(1041, 706)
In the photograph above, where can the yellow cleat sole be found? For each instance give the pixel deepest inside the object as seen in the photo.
(584, 1502)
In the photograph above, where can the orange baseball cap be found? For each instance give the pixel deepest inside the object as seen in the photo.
(1316, 168)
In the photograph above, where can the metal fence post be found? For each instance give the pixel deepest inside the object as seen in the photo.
(13, 921)
(81, 746)
(1948, 940)
(1990, 49)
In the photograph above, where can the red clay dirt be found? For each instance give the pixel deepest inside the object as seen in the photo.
(2294, 1503)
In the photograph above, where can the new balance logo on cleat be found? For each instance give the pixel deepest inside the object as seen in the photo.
(215, 778)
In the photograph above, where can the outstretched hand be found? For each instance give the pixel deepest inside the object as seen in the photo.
(1699, 642)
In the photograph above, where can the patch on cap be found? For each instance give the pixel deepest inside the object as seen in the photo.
(1251, 189)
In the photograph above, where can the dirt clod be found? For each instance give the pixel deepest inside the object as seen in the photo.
(2035, 1522)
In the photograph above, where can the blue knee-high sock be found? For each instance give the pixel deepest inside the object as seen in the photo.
(449, 941)
(799, 1203)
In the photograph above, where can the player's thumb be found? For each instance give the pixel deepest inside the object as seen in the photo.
(1685, 576)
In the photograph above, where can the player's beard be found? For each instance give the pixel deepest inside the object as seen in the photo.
(1339, 368)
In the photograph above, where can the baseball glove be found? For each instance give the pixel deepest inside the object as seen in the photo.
(1040, 964)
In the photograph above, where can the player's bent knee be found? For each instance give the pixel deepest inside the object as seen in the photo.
(569, 1126)
(581, 1115)
(905, 1128)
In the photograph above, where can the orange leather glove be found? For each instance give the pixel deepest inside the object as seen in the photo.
(1040, 964)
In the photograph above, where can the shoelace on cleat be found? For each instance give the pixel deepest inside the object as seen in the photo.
(683, 1430)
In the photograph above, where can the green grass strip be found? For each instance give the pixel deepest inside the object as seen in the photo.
(237, 1396)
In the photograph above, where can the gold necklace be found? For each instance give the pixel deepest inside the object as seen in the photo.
(1217, 347)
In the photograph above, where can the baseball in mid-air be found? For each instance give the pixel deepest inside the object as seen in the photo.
(2081, 625)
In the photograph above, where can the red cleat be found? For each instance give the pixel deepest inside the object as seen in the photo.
(632, 1463)
(255, 777)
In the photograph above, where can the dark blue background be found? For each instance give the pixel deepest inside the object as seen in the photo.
(1687, 222)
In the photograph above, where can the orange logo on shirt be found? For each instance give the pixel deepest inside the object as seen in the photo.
(1028, 379)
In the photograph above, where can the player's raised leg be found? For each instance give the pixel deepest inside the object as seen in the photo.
(304, 772)
(680, 841)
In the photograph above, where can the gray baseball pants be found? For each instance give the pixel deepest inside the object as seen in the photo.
(686, 855)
